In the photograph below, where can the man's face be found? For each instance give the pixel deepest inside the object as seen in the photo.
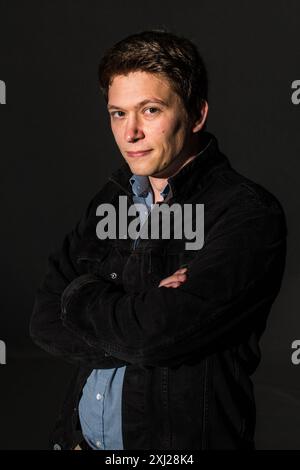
(147, 115)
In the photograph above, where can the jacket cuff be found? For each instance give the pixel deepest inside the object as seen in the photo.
(73, 288)
(75, 306)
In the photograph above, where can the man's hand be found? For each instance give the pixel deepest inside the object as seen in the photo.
(175, 280)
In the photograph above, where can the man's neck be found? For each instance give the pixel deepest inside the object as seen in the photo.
(158, 184)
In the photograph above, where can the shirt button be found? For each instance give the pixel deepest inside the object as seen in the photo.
(98, 444)
(98, 396)
(113, 275)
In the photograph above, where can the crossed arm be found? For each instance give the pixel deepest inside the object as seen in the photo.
(230, 287)
(46, 326)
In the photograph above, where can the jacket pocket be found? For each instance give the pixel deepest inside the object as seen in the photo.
(93, 258)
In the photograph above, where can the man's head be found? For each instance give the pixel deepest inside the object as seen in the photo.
(155, 86)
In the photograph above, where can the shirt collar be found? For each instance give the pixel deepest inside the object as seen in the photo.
(141, 186)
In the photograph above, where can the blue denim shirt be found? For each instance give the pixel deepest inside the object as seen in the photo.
(100, 407)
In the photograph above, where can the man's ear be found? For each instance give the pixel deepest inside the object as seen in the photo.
(199, 123)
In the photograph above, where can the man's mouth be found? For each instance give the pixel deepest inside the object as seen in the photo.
(139, 153)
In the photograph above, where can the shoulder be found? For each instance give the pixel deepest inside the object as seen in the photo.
(235, 200)
(242, 192)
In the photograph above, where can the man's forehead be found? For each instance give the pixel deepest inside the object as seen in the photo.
(139, 88)
(141, 76)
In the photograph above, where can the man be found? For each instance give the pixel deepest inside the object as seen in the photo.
(165, 337)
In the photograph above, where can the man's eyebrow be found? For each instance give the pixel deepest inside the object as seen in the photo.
(142, 103)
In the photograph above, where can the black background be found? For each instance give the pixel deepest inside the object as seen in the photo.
(57, 150)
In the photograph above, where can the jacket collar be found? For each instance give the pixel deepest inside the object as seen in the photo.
(195, 173)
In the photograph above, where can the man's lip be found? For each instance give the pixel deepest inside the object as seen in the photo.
(138, 154)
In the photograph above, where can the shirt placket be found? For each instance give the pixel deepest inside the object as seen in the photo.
(102, 381)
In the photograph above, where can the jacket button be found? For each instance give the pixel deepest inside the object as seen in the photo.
(56, 447)
(113, 275)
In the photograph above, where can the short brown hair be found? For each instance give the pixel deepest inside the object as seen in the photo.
(161, 52)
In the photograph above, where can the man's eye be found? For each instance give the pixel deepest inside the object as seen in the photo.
(113, 114)
(152, 110)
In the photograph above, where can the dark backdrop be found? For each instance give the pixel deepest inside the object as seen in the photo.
(57, 150)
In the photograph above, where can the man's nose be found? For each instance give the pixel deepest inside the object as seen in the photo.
(133, 131)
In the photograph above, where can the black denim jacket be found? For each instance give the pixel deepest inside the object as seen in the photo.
(190, 352)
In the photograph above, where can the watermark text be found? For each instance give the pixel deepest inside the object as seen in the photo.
(2, 92)
(2, 352)
(166, 221)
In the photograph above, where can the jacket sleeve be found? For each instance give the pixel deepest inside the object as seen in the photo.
(232, 283)
(46, 327)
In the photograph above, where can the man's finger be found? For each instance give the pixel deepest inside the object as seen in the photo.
(174, 278)
(172, 284)
(181, 270)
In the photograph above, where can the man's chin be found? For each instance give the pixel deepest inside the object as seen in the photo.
(140, 171)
